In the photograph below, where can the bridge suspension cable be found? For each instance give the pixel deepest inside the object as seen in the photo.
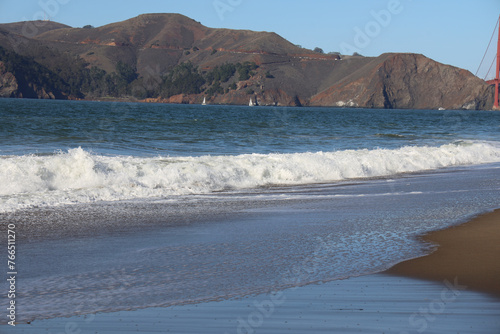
(486, 52)
(489, 69)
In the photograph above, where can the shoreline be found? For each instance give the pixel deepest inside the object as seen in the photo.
(468, 253)
(129, 99)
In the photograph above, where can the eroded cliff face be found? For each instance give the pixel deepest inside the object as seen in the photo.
(8, 82)
(12, 86)
(409, 81)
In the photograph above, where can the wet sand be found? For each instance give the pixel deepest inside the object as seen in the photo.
(468, 253)
(377, 303)
(438, 296)
(371, 304)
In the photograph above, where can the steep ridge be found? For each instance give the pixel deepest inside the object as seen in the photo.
(408, 81)
(160, 41)
(32, 28)
(153, 44)
(148, 30)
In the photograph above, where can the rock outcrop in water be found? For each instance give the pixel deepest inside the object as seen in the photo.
(95, 63)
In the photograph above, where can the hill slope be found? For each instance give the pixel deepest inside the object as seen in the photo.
(92, 60)
(407, 81)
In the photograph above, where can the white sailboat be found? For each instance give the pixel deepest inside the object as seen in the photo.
(251, 103)
(204, 101)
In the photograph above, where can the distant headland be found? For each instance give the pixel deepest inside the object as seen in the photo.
(173, 59)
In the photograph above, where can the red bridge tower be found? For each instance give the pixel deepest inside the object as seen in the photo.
(496, 81)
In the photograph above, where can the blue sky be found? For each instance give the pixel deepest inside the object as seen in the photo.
(453, 32)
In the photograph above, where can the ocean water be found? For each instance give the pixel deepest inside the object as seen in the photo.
(147, 205)
(56, 152)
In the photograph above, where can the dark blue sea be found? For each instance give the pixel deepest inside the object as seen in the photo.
(126, 205)
(59, 152)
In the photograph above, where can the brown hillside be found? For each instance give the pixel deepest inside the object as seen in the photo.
(156, 43)
(407, 81)
(144, 31)
(32, 28)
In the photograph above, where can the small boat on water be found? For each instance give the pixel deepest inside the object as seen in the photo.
(204, 103)
(251, 103)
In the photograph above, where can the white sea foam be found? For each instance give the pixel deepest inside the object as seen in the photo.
(78, 176)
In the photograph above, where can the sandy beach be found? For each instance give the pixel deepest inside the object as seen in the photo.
(468, 253)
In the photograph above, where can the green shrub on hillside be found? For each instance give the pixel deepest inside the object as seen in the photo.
(183, 79)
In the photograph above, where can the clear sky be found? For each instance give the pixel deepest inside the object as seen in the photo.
(453, 32)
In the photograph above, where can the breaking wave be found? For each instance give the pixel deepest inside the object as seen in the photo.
(79, 176)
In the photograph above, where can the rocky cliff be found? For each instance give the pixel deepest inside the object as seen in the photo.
(8, 82)
(21, 77)
(408, 81)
